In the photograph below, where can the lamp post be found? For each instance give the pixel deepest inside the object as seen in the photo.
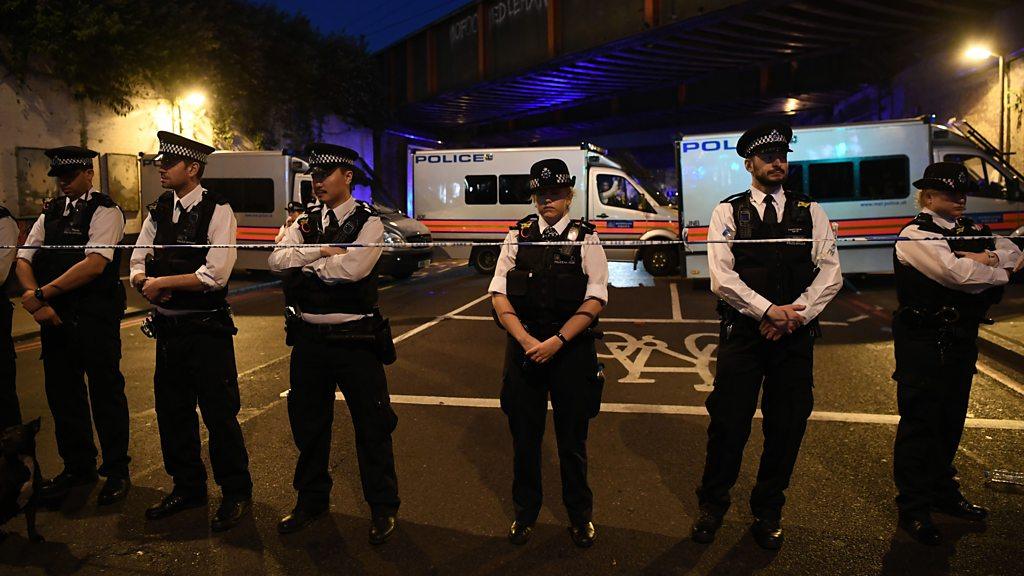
(979, 53)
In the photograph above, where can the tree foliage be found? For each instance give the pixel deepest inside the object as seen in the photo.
(272, 77)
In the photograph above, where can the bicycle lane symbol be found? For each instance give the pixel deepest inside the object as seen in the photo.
(635, 353)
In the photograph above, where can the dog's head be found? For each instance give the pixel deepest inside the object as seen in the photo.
(20, 440)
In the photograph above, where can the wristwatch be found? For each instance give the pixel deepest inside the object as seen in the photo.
(562, 338)
(38, 293)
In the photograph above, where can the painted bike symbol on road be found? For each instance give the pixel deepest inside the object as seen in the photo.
(697, 359)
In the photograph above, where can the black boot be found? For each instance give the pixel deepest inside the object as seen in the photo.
(114, 490)
(299, 518)
(381, 528)
(230, 513)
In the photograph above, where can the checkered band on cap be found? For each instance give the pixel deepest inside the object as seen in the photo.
(773, 137)
(183, 151)
(325, 159)
(65, 161)
(549, 179)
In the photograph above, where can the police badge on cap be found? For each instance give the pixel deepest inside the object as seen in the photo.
(324, 155)
(68, 159)
(550, 173)
(947, 177)
(766, 138)
(177, 146)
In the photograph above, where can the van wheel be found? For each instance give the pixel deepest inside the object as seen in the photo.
(661, 260)
(484, 259)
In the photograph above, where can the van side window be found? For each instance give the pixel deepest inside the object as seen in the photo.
(830, 180)
(251, 195)
(514, 189)
(795, 179)
(991, 183)
(884, 177)
(481, 190)
(618, 192)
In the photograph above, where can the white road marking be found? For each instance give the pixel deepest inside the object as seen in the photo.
(680, 410)
(999, 376)
(677, 311)
(991, 335)
(440, 319)
(858, 318)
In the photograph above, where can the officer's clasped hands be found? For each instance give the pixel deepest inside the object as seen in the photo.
(541, 352)
(779, 321)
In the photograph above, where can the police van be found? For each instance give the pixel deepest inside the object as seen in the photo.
(475, 195)
(259, 185)
(862, 176)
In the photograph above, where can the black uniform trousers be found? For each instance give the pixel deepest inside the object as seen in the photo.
(197, 367)
(87, 346)
(932, 395)
(781, 372)
(10, 411)
(570, 377)
(319, 367)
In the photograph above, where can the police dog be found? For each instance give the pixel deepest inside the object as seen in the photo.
(19, 476)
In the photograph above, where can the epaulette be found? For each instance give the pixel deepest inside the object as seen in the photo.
(585, 226)
(736, 197)
(524, 222)
(367, 207)
(217, 198)
(103, 200)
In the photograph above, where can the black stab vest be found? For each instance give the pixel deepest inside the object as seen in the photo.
(103, 295)
(547, 284)
(193, 227)
(778, 271)
(915, 290)
(311, 294)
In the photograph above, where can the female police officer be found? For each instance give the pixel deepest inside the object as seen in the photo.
(547, 298)
(944, 290)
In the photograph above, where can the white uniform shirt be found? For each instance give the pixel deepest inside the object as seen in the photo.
(216, 271)
(594, 261)
(352, 266)
(106, 227)
(8, 237)
(726, 282)
(936, 261)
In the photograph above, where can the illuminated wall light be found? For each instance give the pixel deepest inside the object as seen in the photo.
(792, 104)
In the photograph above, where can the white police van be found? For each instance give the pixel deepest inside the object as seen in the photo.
(862, 176)
(477, 194)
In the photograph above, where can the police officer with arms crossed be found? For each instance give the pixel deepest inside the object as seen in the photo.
(548, 299)
(771, 295)
(10, 411)
(945, 289)
(339, 341)
(195, 356)
(78, 300)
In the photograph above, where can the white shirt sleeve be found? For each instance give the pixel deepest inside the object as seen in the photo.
(725, 281)
(830, 278)
(35, 238)
(216, 272)
(8, 236)
(107, 227)
(1007, 252)
(595, 266)
(506, 262)
(282, 259)
(138, 260)
(356, 263)
(935, 260)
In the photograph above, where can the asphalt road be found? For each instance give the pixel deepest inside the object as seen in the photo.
(453, 454)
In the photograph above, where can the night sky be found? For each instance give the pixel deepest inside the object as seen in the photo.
(381, 22)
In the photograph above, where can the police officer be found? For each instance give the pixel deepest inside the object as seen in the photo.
(770, 297)
(340, 341)
(195, 356)
(548, 299)
(78, 300)
(944, 290)
(10, 412)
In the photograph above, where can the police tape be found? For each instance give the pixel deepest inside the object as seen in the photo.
(881, 240)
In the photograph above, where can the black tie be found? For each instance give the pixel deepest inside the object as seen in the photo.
(332, 219)
(550, 233)
(771, 217)
(181, 209)
(72, 210)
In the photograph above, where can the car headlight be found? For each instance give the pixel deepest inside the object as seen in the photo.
(392, 237)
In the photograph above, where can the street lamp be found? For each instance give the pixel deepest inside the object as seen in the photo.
(978, 53)
(194, 101)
